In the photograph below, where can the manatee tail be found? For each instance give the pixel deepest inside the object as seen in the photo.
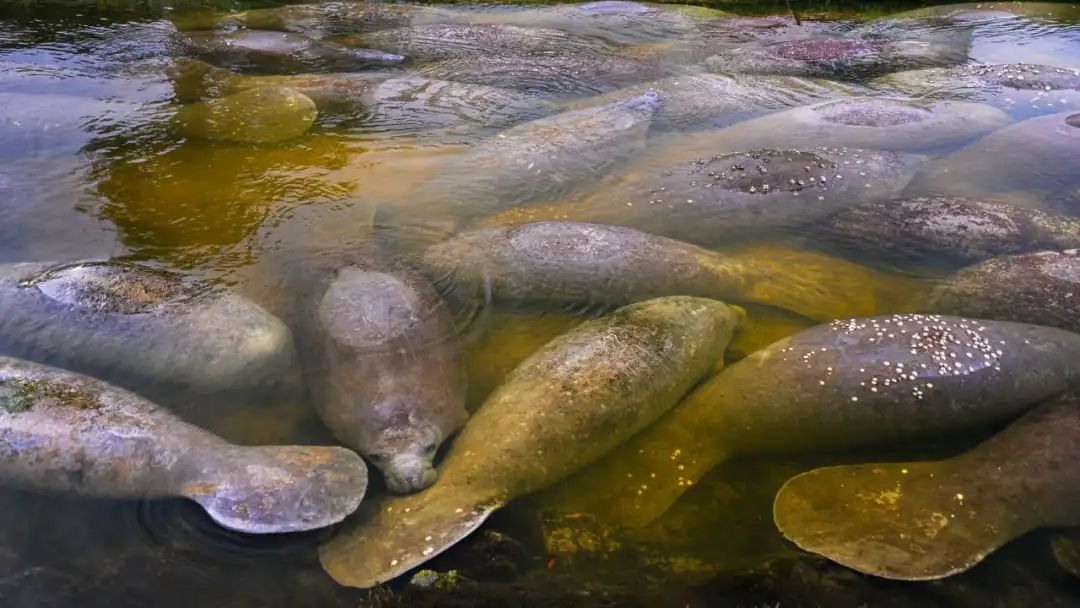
(269, 490)
(904, 521)
(401, 534)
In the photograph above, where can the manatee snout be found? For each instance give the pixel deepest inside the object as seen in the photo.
(647, 103)
(408, 473)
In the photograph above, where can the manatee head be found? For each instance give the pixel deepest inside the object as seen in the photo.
(645, 104)
(405, 455)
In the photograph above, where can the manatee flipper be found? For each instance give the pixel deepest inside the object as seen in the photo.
(930, 520)
(277, 489)
(1066, 550)
(402, 534)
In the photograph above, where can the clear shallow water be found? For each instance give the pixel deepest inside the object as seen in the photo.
(95, 163)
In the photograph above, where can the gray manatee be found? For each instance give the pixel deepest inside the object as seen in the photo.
(261, 115)
(539, 160)
(887, 123)
(554, 74)
(281, 52)
(1020, 88)
(1041, 287)
(447, 40)
(385, 371)
(954, 229)
(138, 326)
(695, 101)
(62, 432)
(572, 262)
(719, 198)
(930, 520)
(566, 405)
(838, 58)
(1035, 159)
(331, 18)
(846, 383)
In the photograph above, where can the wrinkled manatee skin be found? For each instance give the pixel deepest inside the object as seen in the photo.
(387, 375)
(261, 115)
(576, 398)
(281, 52)
(444, 41)
(61, 432)
(929, 520)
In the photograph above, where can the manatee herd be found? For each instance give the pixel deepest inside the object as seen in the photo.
(658, 238)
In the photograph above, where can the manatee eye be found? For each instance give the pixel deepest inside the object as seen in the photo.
(430, 447)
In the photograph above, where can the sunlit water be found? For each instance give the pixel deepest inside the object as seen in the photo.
(95, 162)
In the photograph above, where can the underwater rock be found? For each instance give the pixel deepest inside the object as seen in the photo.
(1020, 88)
(136, 326)
(929, 520)
(1041, 287)
(1066, 550)
(256, 116)
(386, 373)
(1036, 158)
(574, 262)
(62, 432)
(838, 58)
(857, 122)
(959, 230)
(846, 383)
(556, 74)
(569, 403)
(281, 52)
(715, 200)
(445, 41)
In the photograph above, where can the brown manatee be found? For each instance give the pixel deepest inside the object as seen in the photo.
(716, 199)
(565, 406)
(385, 370)
(1041, 287)
(845, 383)
(929, 520)
(573, 262)
(281, 52)
(1020, 88)
(62, 432)
(952, 229)
(259, 115)
(446, 40)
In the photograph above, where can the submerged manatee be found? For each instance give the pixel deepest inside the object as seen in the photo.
(840, 58)
(1066, 549)
(850, 382)
(67, 433)
(574, 262)
(538, 160)
(1020, 88)
(282, 52)
(714, 200)
(386, 373)
(135, 325)
(1042, 287)
(929, 520)
(955, 229)
(331, 18)
(860, 122)
(1036, 158)
(556, 74)
(563, 407)
(257, 116)
(444, 41)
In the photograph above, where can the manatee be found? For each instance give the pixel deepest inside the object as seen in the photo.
(949, 229)
(62, 432)
(556, 74)
(1022, 89)
(538, 160)
(565, 406)
(331, 18)
(1041, 287)
(720, 198)
(887, 123)
(726, 32)
(448, 40)
(837, 58)
(599, 264)
(988, 10)
(281, 52)
(1035, 158)
(256, 116)
(1066, 550)
(846, 383)
(386, 373)
(136, 326)
(930, 520)
(695, 101)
